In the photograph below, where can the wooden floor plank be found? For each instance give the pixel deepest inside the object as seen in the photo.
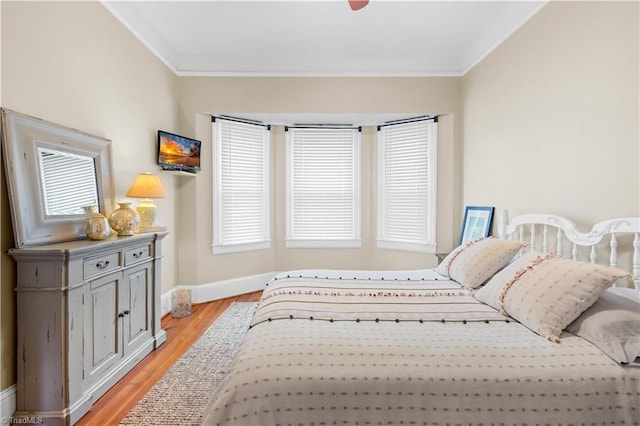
(114, 405)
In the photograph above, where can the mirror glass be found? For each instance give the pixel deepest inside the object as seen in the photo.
(53, 172)
(68, 182)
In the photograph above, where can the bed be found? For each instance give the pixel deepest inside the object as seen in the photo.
(464, 343)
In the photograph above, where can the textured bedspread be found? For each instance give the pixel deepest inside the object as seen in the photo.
(357, 349)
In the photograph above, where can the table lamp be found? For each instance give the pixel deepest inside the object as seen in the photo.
(146, 186)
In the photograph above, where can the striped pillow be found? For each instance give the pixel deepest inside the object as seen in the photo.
(472, 263)
(550, 292)
(490, 292)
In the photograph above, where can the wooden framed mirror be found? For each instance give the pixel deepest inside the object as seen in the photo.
(53, 172)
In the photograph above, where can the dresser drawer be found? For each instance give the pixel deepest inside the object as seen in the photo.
(100, 264)
(137, 254)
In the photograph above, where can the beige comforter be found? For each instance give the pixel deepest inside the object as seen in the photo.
(356, 349)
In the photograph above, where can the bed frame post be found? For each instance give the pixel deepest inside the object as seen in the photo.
(532, 237)
(636, 260)
(502, 226)
(559, 247)
(613, 255)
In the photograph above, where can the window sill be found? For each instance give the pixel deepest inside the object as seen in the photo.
(323, 243)
(238, 248)
(403, 246)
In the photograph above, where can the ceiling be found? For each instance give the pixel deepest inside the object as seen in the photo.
(322, 38)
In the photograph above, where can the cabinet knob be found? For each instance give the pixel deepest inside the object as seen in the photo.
(138, 254)
(121, 315)
(126, 312)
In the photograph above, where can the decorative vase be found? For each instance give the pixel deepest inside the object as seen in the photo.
(98, 226)
(124, 220)
(181, 303)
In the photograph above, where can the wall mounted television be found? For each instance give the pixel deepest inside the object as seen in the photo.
(177, 152)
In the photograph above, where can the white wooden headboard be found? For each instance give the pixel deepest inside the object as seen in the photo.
(615, 240)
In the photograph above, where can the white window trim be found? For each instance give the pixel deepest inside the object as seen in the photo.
(430, 245)
(238, 248)
(356, 241)
(218, 246)
(329, 243)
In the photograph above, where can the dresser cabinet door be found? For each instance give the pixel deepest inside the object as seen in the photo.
(102, 332)
(137, 306)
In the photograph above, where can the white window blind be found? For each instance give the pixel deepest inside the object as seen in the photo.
(241, 186)
(407, 186)
(323, 187)
(69, 182)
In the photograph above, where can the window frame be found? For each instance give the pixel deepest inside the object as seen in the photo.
(384, 238)
(219, 246)
(293, 241)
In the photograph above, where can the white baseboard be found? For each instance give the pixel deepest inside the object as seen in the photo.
(7, 403)
(219, 290)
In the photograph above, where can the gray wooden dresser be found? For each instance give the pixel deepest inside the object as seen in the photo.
(87, 313)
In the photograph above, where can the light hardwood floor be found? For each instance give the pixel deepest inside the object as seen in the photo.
(113, 406)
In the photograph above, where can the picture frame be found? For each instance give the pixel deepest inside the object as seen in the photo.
(476, 223)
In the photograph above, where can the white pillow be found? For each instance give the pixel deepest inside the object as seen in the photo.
(612, 324)
(549, 292)
(472, 263)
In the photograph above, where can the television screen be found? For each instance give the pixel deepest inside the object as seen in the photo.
(178, 152)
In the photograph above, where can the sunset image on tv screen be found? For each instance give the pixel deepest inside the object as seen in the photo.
(179, 151)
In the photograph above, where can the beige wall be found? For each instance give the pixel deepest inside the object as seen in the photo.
(551, 115)
(199, 95)
(74, 64)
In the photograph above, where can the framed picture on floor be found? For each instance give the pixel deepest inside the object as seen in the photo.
(476, 223)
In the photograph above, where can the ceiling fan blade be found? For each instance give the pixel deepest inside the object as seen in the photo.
(357, 4)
